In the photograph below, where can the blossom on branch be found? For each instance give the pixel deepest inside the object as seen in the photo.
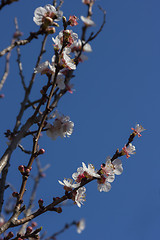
(68, 184)
(80, 196)
(103, 184)
(62, 127)
(114, 167)
(43, 68)
(85, 172)
(81, 225)
(47, 14)
(90, 171)
(130, 149)
(76, 46)
(138, 129)
(65, 60)
(66, 37)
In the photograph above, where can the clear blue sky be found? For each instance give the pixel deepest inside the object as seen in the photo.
(115, 89)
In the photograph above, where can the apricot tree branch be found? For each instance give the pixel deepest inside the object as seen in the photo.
(22, 42)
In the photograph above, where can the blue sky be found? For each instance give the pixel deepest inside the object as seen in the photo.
(115, 89)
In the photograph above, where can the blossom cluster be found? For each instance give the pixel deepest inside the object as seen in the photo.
(105, 176)
(68, 48)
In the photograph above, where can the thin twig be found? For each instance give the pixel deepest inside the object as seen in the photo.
(67, 226)
(6, 72)
(31, 103)
(7, 2)
(22, 42)
(19, 56)
(23, 150)
(28, 90)
(89, 14)
(54, 3)
(60, 4)
(104, 21)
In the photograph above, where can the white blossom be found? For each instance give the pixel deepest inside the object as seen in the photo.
(130, 149)
(67, 36)
(85, 171)
(48, 11)
(82, 57)
(43, 68)
(138, 129)
(60, 81)
(114, 166)
(81, 225)
(87, 21)
(66, 129)
(77, 176)
(62, 127)
(104, 186)
(80, 196)
(65, 60)
(90, 171)
(68, 184)
(76, 46)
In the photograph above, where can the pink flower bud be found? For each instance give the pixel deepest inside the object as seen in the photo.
(28, 171)
(41, 151)
(21, 168)
(40, 202)
(2, 95)
(73, 21)
(17, 34)
(34, 224)
(1, 221)
(29, 229)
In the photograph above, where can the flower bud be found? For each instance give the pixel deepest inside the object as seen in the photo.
(27, 171)
(41, 151)
(40, 202)
(15, 194)
(21, 168)
(48, 21)
(1, 221)
(34, 224)
(50, 30)
(17, 34)
(29, 229)
(55, 24)
(72, 21)
(2, 95)
(59, 210)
